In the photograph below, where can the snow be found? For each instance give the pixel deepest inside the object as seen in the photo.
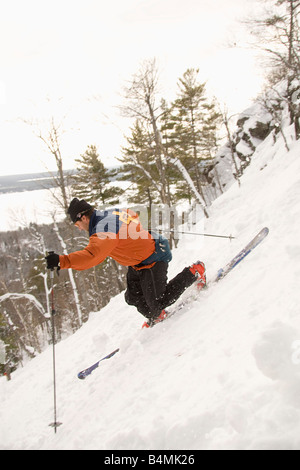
(223, 373)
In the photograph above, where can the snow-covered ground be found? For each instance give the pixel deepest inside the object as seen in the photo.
(223, 373)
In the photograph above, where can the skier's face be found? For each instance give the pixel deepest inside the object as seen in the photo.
(83, 223)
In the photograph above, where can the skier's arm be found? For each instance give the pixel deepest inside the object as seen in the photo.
(95, 253)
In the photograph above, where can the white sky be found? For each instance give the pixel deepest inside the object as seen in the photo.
(71, 58)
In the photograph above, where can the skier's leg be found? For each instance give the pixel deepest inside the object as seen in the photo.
(153, 283)
(134, 293)
(149, 291)
(159, 294)
(177, 286)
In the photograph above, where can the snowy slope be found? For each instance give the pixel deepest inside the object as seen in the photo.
(222, 374)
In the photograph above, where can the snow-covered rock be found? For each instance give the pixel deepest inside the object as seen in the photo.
(269, 115)
(252, 128)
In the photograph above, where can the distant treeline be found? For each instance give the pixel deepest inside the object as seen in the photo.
(29, 181)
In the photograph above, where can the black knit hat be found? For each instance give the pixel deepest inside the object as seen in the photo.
(78, 208)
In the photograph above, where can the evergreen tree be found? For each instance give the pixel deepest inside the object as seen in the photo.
(139, 165)
(93, 181)
(174, 176)
(192, 129)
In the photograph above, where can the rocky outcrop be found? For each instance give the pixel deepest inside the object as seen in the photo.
(253, 126)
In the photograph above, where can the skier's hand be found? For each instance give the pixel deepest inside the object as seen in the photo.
(52, 261)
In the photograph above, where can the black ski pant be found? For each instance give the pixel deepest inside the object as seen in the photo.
(149, 291)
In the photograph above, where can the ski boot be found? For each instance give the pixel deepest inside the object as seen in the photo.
(198, 269)
(150, 323)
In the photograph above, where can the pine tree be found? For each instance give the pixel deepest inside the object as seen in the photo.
(93, 181)
(139, 165)
(192, 129)
(174, 176)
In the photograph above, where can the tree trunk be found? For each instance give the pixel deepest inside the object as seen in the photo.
(71, 276)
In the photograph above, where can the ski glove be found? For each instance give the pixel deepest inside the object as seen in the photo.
(52, 261)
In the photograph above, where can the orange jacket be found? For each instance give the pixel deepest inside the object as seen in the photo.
(114, 233)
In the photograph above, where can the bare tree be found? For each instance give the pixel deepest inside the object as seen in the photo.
(51, 137)
(71, 275)
(278, 34)
(226, 119)
(141, 95)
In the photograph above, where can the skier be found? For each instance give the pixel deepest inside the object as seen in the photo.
(120, 235)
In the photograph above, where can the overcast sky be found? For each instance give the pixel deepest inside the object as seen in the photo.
(71, 58)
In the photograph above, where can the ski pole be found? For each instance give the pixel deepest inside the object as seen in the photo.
(200, 234)
(55, 423)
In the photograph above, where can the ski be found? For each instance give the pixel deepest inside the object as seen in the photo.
(242, 254)
(84, 373)
(225, 270)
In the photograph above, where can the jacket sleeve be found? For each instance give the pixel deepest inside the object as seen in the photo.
(95, 253)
